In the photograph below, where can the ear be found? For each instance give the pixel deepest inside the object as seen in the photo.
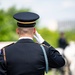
(34, 30)
(17, 30)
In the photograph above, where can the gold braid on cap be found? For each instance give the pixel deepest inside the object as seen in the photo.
(26, 22)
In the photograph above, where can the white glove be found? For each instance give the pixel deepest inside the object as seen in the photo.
(38, 37)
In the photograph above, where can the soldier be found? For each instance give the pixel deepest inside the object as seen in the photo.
(25, 57)
(62, 42)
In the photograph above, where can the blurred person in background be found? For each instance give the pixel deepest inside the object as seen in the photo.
(62, 42)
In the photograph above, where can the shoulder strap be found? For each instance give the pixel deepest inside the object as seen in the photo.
(4, 54)
(46, 59)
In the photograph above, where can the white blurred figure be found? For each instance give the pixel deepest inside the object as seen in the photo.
(69, 52)
(59, 71)
(60, 50)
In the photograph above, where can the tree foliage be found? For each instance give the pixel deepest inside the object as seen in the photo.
(8, 24)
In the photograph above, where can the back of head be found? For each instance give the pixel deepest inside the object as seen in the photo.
(62, 34)
(23, 31)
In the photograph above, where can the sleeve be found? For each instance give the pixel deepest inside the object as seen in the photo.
(2, 64)
(55, 59)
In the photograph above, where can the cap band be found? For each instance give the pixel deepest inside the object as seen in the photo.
(25, 25)
(26, 22)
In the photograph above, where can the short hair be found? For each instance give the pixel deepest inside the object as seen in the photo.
(25, 30)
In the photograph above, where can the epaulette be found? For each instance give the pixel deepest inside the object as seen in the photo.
(46, 45)
(4, 54)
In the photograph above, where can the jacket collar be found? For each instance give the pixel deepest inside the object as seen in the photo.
(25, 41)
(25, 38)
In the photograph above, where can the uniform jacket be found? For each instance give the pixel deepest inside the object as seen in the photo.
(62, 43)
(26, 58)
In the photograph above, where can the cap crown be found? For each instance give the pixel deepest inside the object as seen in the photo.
(26, 16)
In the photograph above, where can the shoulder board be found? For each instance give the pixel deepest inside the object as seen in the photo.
(44, 45)
(5, 46)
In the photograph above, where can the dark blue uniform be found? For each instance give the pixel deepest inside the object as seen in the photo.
(26, 58)
(62, 43)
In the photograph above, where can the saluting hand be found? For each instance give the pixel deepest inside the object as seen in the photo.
(38, 37)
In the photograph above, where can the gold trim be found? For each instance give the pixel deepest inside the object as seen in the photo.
(4, 54)
(27, 22)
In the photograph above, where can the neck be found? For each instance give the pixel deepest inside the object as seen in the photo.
(26, 36)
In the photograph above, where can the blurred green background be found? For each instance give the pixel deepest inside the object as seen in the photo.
(8, 28)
